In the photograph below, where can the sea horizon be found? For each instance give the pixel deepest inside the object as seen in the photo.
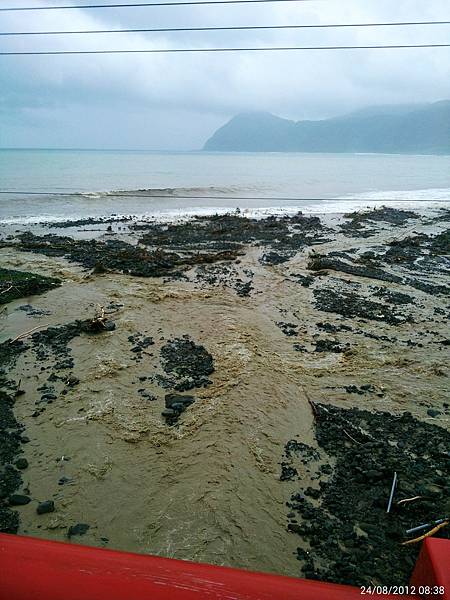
(204, 151)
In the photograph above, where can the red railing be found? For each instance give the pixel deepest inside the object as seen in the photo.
(35, 569)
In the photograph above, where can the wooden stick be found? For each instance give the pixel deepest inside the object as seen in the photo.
(406, 500)
(425, 535)
(25, 333)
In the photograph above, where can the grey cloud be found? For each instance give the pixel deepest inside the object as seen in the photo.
(180, 99)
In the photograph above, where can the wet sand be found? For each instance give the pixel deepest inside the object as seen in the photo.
(208, 487)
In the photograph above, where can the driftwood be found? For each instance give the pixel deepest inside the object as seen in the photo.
(99, 321)
(25, 333)
(425, 535)
(426, 526)
(407, 500)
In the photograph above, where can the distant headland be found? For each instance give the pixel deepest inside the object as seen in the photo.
(396, 129)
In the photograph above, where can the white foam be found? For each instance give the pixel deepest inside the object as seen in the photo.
(429, 195)
(425, 199)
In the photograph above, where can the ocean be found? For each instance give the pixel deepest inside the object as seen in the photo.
(53, 185)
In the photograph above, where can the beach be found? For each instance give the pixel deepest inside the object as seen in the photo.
(230, 390)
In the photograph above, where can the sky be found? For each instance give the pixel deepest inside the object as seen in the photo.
(176, 101)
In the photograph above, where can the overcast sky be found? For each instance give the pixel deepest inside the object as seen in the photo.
(176, 101)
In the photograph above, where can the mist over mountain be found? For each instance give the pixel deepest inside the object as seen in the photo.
(397, 129)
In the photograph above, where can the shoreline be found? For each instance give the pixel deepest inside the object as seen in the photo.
(337, 208)
(309, 334)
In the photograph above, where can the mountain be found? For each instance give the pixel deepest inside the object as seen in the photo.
(401, 129)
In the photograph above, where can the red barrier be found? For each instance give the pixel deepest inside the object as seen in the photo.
(34, 569)
(431, 576)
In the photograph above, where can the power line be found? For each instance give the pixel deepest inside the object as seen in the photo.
(230, 28)
(144, 4)
(205, 50)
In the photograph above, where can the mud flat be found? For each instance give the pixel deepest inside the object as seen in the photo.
(230, 390)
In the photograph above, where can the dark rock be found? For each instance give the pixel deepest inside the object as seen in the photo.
(274, 258)
(45, 507)
(353, 389)
(441, 243)
(312, 492)
(140, 343)
(10, 442)
(18, 284)
(326, 469)
(232, 232)
(349, 304)
(413, 253)
(169, 413)
(288, 473)
(368, 387)
(295, 528)
(89, 221)
(329, 346)
(243, 289)
(99, 268)
(54, 341)
(431, 412)
(393, 297)
(19, 500)
(31, 311)
(175, 405)
(148, 396)
(394, 216)
(329, 328)
(319, 262)
(97, 325)
(187, 362)
(299, 348)
(355, 494)
(173, 399)
(303, 280)
(289, 329)
(116, 255)
(78, 529)
(300, 450)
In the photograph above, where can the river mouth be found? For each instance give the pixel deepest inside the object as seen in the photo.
(208, 486)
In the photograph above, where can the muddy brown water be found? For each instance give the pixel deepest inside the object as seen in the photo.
(208, 490)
